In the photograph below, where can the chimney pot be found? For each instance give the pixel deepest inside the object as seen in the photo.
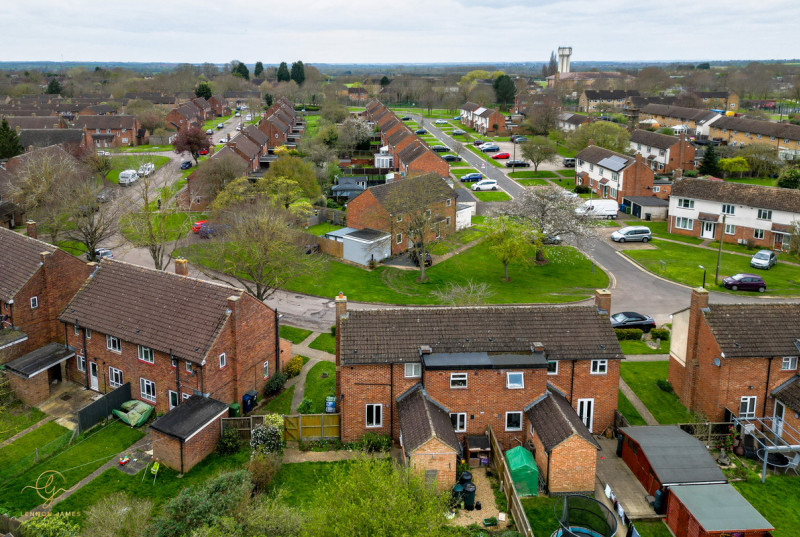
(602, 300)
(30, 226)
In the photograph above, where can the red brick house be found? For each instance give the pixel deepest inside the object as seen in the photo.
(184, 116)
(663, 153)
(482, 365)
(248, 150)
(276, 129)
(383, 207)
(732, 359)
(357, 95)
(220, 105)
(113, 131)
(399, 141)
(418, 157)
(613, 175)
(206, 111)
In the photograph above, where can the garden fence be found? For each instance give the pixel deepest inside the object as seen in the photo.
(507, 486)
(710, 433)
(38, 455)
(326, 246)
(244, 426)
(99, 410)
(307, 427)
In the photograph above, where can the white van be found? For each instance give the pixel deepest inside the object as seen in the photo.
(146, 169)
(127, 177)
(599, 208)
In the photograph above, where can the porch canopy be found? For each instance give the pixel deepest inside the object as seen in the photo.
(42, 359)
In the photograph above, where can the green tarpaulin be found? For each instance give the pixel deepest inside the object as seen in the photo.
(134, 413)
(524, 472)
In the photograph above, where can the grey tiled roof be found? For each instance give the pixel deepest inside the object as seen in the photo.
(554, 420)
(606, 95)
(395, 335)
(19, 260)
(595, 154)
(654, 139)
(697, 115)
(789, 393)
(764, 197)
(422, 420)
(47, 137)
(755, 330)
(403, 194)
(105, 122)
(399, 136)
(758, 126)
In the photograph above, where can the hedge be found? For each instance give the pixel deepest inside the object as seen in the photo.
(660, 333)
(633, 334)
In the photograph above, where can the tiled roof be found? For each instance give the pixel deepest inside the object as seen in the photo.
(387, 122)
(33, 122)
(712, 94)
(421, 420)
(554, 420)
(399, 136)
(610, 94)
(105, 122)
(258, 137)
(764, 197)
(246, 146)
(637, 101)
(470, 107)
(395, 335)
(398, 196)
(697, 115)
(757, 126)
(412, 152)
(653, 139)
(755, 330)
(157, 309)
(48, 137)
(789, 393)
(594, 154)
(20, 258)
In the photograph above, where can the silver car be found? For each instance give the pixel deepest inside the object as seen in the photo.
(764, 259)
(632, 233)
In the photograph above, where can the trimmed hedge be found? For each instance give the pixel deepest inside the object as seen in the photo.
(293, 366)
(660, 333)
(632, 334)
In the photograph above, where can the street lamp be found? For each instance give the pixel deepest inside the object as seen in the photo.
(704, 275)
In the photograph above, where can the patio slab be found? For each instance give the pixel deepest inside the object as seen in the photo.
(630, 493)
(65, 402)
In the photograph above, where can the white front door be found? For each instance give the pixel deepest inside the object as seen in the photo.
(708, 230)
(93, 383)
(777, 418)
(586, 412)
(173, 399)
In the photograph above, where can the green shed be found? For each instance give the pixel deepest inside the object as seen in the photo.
(524, 472)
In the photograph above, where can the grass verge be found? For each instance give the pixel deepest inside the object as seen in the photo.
(318, 387)
(324, 342)
(293, 334)
(629, 411)
(642, 377)
(530, 174)
(492, 196)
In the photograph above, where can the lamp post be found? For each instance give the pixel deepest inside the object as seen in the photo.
(704, 275)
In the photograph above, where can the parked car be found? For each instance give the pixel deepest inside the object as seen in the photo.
(479, 142)
(471, 177)
(128, 177)
(248, 117)
(186, 164)
(210, 132)
(146, 169)
(220, 126)
(520, 139)
(551, 240)
(632, 233)
(100, 253)
(631, 319)
(764, 259)
(501, 156)
(239, 127)
(238, 114)
(451, 158)
(485, 184)
(517, 164)
(415, 258)
(203, 152)
(223, 140)
(458, 132)
(599, 208)
(568, 162)
(103, 154)
(107, 194)
(745, 282)
(489, 148)
(420, 131)
(440, 122)
(456, 118)
(405, 118)
(440, 148)
(206, 231)
(197, 225)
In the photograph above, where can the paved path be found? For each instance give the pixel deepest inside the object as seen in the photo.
(646, 357)
(26, 431)
(637, 403)
(315, 356)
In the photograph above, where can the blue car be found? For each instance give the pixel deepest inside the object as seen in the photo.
(186, 164)
(420, 131)
(471, 177)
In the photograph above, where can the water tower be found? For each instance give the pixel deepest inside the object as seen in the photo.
(563, 59)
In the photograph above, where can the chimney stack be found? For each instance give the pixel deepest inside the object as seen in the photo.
(341, 307)
(699, 299)
(30, 226)
(538, 346)
(181, 266)
(591, 141)
(602, 299)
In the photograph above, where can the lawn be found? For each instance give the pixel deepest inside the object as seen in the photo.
(530, 174)
(641, 377)
(175, 226)
(567, 277)
(132, 162)
(18, 417)
(143, 149)
(319, 387)
(88, 453)
(299, 481)
(641, 347)
(282, 404)
(568, 172)
(295, 335)
(777, 499)
(322, 229)
(533, 182)
(492, 196)
(24, 446)
(459, 238)
(461, 172)
(682, 265)
(626, 409)
(324, 342)
(312, 125)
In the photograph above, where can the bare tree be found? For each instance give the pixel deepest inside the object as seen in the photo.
(539, 150)
(92, 222)
(469, 293)
(214, 175)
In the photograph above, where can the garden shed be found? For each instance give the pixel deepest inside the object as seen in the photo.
(646, 207)
(664, 455)
(185, 435)
(33, 374)
(713, 510)
(366, 244)
(523, 470)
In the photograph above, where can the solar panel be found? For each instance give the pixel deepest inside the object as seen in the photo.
(614, 163)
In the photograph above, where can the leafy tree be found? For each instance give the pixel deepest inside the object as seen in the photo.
(710, 163)
(298, 170)
(193, 140)
(298, 73)
(283, 73)
(370, 497)
(504, 89)
(215, 174)
(603, 133)
(268, 99)
(240, 69)
(49, 526)
(203, 89)
(762, 159)
(266, 515)
(704, 65)
(510, 240)
(53, 88)
(539, 150)
(151, 117)
(734, 165)
(666, 130)
(9, 141)
(117, 515)
(789, 178)
(259, 68)
(385, 81)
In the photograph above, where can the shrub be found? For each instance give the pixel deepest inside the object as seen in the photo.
(49, 526)
(664, 385)
(333, 330)
(275, 383)
(263, 469)
(266, 439)
(660, 333)
(372, 442)
(293, 366)
(690, 173)
(229, 443)
(632, 334)
(581, 189)
(305, 406)
(273, 419)
(117, 515)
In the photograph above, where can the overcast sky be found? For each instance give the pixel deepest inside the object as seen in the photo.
(399, 31)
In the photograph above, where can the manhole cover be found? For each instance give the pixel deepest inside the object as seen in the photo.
(66, 397)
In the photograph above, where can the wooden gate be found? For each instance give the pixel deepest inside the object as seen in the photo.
(311, 427)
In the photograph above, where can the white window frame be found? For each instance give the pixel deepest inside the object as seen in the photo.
(460, 426)
(656, 189)
(80, 362)
(688, 223)
(34, 302)
(730, 229)
(88, 333)
(185, 396)
(729, 209)
(113, 344)
(449, 202)
(143, 389)
(146, 354)
(515, 386)
(553, 373)
(685, 203)
(174, 362)
(789, 363)
(266, 369)
(764, 214)
(458, 377)
(399, 238)
(599, 367)
(188, 366)
(374, 406)
(113, 372)
(414, 371)
(751, 401)
(76, 330)
(507, 428)
(758, 233)
(223, 360)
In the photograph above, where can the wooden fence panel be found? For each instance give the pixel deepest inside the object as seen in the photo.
(507, 486)
(295, 428)
(291, 428)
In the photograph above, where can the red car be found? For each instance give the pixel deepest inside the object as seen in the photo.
(203, 152)
(197, 225)
(499, 156)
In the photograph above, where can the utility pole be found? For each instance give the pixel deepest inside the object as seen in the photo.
(719, 251)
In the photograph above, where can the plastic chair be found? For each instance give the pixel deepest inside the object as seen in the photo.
(793, 464)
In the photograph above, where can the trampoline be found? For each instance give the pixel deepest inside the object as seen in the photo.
(581, 516)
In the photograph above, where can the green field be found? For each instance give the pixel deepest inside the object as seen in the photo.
(530, 174)
(642, 377)
(492, 196)
(132, 162)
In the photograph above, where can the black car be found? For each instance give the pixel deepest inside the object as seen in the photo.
(517, 164)
(440, 148)
(405, 118)
(420, 131)
(451, 158)
(186, 164)
(415, 258)
(631, 319)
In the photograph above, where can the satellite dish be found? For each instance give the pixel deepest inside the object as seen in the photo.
(717, 362)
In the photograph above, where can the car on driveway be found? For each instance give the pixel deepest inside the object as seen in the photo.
(764, 259)
(440, 122)
(415, 258)
(405, 118)
(520, 139)
(103, 154)
(632, 234)
(479, 142)
(744, 282)
(501, 156)
(210, 132)
(440, 148)
(458, 132)
(517, 164)
(420, 131)
(197, 225)
(489, 148)
(100, 253)
(451, 158)
(186, 164)
(485, 184)
(471, 177)
(631, 319)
